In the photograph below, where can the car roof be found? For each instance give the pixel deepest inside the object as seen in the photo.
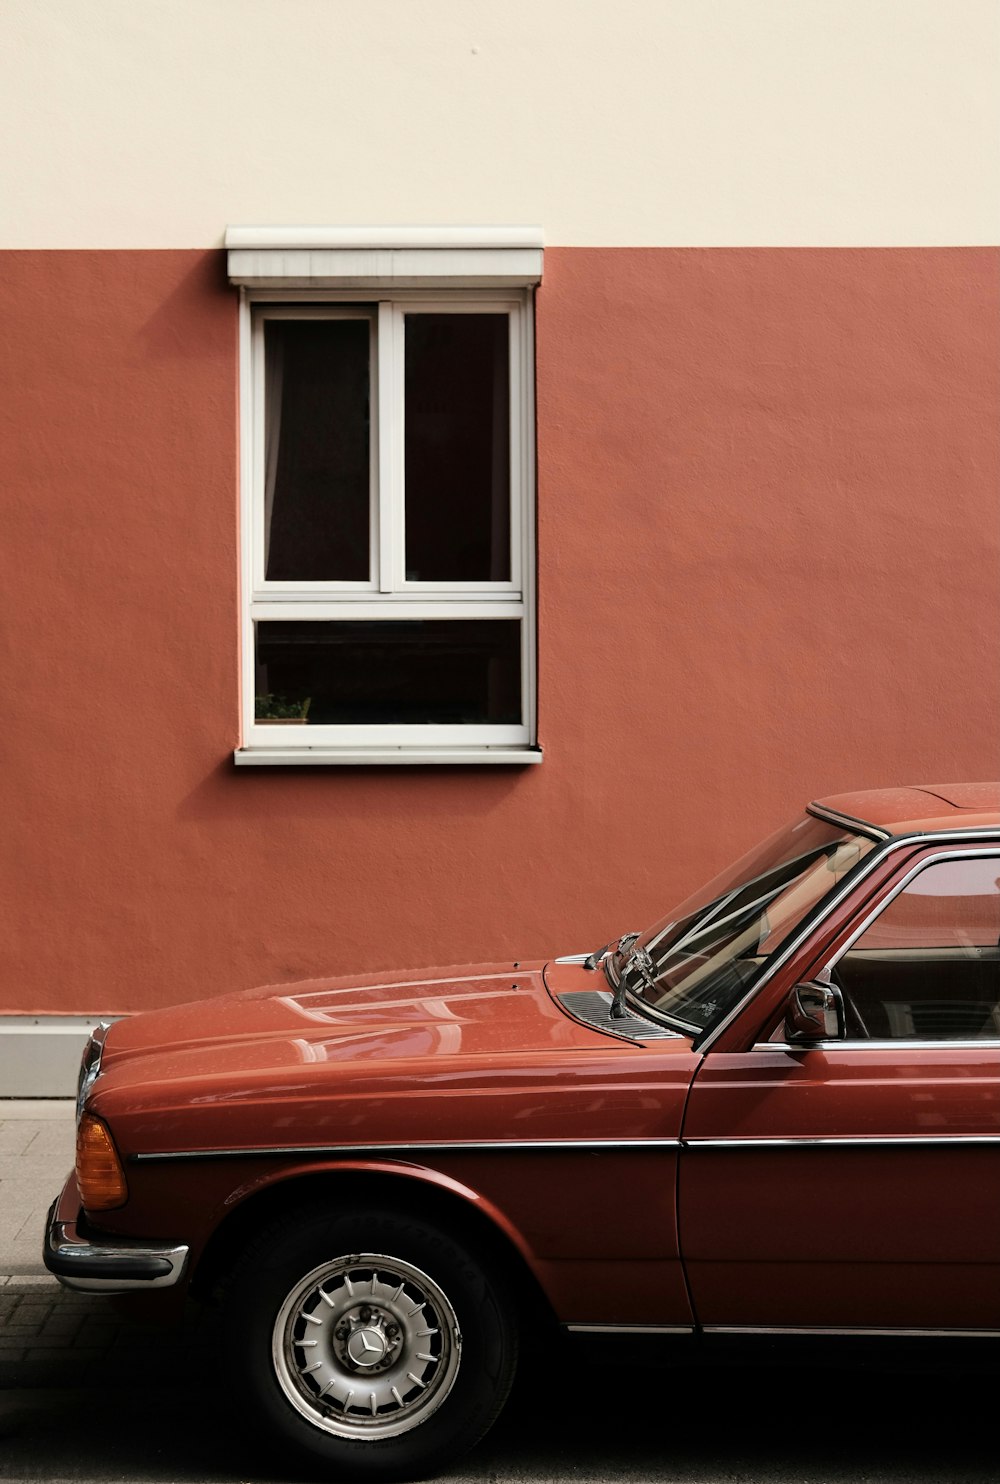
(921, 808)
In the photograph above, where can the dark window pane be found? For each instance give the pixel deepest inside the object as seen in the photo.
(457, 448)
(434, 670)
(316, 495)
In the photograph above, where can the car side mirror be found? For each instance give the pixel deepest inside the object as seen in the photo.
(814, 1012)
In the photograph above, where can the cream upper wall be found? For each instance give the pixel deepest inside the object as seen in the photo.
(153, 123)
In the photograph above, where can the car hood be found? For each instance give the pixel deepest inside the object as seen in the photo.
(338, 1062)
(484, 1010)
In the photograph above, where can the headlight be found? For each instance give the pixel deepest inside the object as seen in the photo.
(90, 1065)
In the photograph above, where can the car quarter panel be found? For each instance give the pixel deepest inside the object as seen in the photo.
(559, 1154)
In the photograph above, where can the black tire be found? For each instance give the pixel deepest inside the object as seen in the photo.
(371, 1342)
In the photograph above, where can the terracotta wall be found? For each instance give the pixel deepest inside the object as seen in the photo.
(769, 568)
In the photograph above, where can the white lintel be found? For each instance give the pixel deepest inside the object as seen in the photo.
(375, 257)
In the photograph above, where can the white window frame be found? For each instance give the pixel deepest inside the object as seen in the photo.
(387, 594)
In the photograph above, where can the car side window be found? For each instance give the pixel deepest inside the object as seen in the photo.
(928, 967)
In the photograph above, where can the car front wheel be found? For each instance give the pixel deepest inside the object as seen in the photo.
(374, 1342)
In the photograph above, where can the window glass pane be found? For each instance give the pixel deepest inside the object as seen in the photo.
(457, 419)
(928, 968)
(316, 476)
(412, 671)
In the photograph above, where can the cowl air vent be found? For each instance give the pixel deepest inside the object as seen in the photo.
(593, 1007)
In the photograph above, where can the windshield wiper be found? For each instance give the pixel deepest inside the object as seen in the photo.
(593, 959)
(619, 946)
(638, 961)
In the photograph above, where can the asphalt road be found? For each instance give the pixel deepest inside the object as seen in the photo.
(594, 1422)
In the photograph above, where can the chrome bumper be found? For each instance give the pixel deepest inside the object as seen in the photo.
(112, 1265)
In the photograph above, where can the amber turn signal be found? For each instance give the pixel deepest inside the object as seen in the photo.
(99, 1172)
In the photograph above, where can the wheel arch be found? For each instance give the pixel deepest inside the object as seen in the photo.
(423, 1193)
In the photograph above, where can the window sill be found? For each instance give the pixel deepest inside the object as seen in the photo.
(257, 757)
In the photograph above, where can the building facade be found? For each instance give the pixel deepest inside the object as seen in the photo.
(472, 470)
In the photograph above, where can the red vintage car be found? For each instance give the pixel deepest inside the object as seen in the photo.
(776, 1110)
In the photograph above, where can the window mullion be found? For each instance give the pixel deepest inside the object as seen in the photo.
(390, 436)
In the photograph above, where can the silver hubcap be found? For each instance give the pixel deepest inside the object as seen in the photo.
(366, 1346)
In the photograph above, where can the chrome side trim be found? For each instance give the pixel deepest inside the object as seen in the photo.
(812, 922)
(551, 1146)
(113, 1265)
(629, 1329)
(860, 1330)
(900, 1043)
(833, 816)
(879, 1141)
(406, 1151)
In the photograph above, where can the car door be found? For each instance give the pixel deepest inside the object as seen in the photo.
(855, 1183)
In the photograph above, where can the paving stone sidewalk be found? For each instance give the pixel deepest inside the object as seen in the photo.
(49, 1336)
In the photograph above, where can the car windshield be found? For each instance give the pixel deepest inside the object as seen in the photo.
(709, 950)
